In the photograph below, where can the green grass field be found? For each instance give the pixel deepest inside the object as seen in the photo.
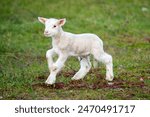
(123, 25)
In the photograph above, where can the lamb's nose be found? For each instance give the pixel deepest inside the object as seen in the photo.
(45, 32)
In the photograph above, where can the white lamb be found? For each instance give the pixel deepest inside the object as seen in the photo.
(66, 44)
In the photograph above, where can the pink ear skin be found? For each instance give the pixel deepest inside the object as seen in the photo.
(61, 22)
(42, 19)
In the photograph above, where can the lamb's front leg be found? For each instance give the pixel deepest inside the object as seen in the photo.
(56, 67)
(49, 56)
(85, 66)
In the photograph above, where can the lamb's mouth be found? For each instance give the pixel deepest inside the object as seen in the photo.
(47, 35)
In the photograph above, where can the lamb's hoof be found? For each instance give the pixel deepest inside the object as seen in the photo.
(49, 82)
(110, 78)
(110, 83)
(76, 78)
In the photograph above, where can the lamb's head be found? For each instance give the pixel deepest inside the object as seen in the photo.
(52, 26)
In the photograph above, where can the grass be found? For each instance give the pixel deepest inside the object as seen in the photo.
(123, 26)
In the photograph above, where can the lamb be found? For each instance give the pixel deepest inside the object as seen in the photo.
(66, 44)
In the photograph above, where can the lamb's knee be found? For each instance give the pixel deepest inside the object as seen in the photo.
(106, 58)
(49, 53)
(109, 58)
(57, 67)
(54, 68)
(88, 67)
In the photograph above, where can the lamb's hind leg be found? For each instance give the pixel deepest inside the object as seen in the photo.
(85, 66)
(107, 60)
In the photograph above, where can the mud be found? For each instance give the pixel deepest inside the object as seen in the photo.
(84, 85)
(147, 39)
(100, 83)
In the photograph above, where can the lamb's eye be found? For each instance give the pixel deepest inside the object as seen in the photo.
(54, 26)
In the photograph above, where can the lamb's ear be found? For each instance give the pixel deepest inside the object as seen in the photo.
(61, 22)
(42, 19)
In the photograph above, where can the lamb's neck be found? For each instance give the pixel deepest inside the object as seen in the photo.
(56, 38)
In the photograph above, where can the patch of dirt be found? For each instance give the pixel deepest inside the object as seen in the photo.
(82, 84)
(69, 73)
(147, 39)
(99, 84)
(59, 85)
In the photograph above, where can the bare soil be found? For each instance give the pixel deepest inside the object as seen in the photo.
(82, 84)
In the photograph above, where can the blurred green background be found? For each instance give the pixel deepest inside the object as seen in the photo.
(123, 25)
